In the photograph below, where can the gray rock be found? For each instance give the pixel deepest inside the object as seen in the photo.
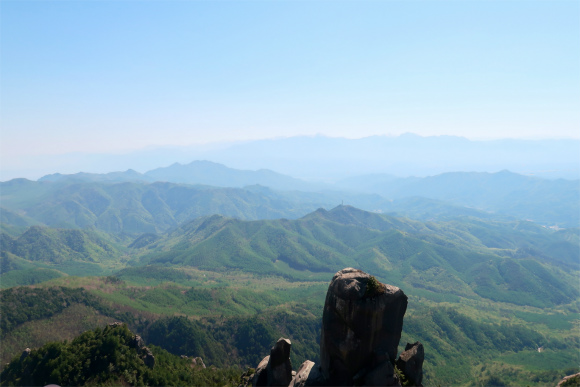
(137, 342)
(575, 379)
(198, 362)
(361, 326)
(410, 362)
(276, 369)
(261, 376)
(25, 354)
(148, 357)
(308, 374)
(279, 367)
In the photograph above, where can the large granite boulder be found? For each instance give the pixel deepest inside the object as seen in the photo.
(410, 362)
(361, 328)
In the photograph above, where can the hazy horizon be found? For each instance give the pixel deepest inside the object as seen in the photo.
(81, 80)
(325, 158)
(119, 76)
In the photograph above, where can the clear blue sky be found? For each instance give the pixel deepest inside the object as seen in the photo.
(99, 76)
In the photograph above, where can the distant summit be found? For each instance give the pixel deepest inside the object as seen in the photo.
(200, 172)
(111, 177)
(214, 174)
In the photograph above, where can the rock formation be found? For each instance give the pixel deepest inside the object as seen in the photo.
(197, 362)
(137, 342)
(361, 328)
(25, 354)
(145, 353)
(570, 381)
(148, 357)
(410, 363)
(275, 369)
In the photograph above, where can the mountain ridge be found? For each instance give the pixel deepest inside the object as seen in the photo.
(423, 254)
(507, 194)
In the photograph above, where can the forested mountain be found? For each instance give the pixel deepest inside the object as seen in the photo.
(549, 202)
(129, 175)
(209, 173)
(223, 272)
(56, 245)
(465, 256)
(137, 207)
(197, 172)
(109, 356)
(510, 263)
(133, 206)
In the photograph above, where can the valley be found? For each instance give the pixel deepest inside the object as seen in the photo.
(223, 272)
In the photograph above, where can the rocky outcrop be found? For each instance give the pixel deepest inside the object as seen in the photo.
(410, 363)
(570, 381)
(361, 328)
(139, 344)
(148, 357)
(25, 354)
(275, 369)
(197, 362)
(308, 374)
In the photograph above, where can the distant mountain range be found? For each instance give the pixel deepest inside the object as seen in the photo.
(541, 200)
(330, 159)
(480, 194)
(196, 172)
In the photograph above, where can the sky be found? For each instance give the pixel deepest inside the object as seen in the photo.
(117, 76)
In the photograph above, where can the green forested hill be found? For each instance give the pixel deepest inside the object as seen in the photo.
(484, 293)
(57, 245)
(132, 207)
(108, 356)
(112, 204)
(14, 223)
(503, 262)
(43, 253)
(470, 343)
(503, 194)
